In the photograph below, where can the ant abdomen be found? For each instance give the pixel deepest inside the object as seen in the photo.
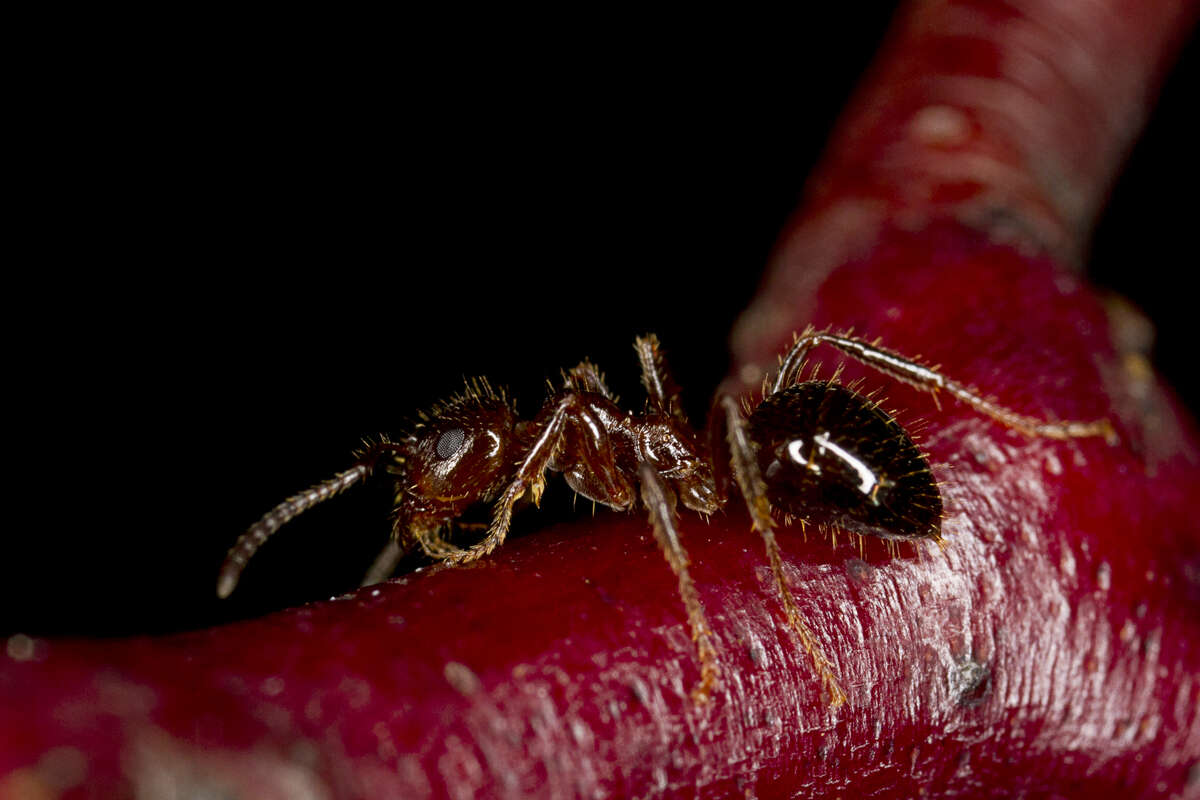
(833, 457)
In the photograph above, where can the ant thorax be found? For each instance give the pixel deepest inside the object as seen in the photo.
(597, 442)
(672, 449)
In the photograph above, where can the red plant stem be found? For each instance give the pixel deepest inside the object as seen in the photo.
(1053, 648)
(1009, 118)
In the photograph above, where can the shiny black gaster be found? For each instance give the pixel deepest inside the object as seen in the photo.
(833, 457)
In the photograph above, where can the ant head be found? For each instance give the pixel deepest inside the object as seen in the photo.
(460, 452)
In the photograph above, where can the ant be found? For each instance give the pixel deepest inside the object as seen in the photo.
(814, 450)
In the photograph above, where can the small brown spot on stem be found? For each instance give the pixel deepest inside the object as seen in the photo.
(970, 683)
(859, 570)
(461, 678)
(940, 126)
(20, 647)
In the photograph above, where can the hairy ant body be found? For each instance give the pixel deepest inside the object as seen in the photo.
(811, 449)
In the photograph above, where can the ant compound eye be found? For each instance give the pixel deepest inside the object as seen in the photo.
(449, 442)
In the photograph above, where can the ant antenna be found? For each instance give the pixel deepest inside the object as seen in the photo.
(258, 533)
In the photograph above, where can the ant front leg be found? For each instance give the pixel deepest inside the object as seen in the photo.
(660, 503)
(435, 546)
(549, 429)
(399, 546)
(754, 491)
(909, 371)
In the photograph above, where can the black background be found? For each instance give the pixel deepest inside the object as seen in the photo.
(255, 246)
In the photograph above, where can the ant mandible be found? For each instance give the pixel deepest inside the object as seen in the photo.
(813, 450)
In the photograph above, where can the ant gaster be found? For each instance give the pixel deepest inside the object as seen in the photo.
(814, 450)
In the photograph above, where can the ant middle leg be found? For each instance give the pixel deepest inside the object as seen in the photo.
(656, 378)
(930, 379)
(754, 493)
(587, 377)
(660, 504)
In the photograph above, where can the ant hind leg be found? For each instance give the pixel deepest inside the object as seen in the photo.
(907, 370)
(754, 492)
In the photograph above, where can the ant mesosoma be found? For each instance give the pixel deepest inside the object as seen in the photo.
(813, 450)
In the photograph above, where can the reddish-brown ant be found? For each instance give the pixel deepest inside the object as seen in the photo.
(814, 450)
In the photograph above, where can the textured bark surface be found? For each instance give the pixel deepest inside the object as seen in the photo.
(1052, 648)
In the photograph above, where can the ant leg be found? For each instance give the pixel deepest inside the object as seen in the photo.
(587, 377)
(428, 539)
(258, 533)
(404, 537)
(908, 371)
(529, 476)
(754, 492)
(384, 564)
(660, 503)
(660, 386)
(434, 545)
(548, 429)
